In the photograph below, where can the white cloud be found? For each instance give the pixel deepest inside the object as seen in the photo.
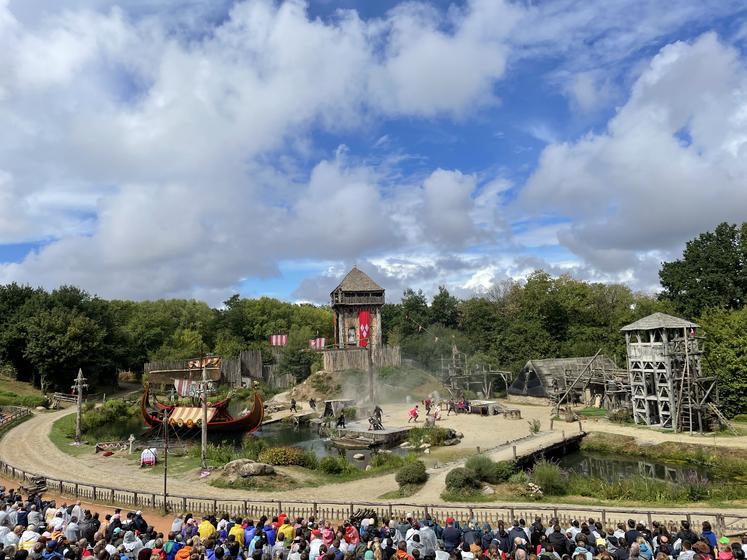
(640, 186)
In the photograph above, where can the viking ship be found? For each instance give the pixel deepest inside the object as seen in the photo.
(190, 417)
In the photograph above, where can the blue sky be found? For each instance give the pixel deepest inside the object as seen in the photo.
(199, 149)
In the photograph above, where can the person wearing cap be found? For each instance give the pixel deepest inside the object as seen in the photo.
(452, 536)
(51, 552)
(724, 549)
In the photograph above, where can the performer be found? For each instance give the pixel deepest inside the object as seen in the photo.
(377, 412)
(414, 413)
(340, 420)
(293, 407)
(312, 403)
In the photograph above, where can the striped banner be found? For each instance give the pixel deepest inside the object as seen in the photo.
(317, 343)
(279, 340)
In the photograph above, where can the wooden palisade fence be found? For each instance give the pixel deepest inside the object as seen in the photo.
(333, 510)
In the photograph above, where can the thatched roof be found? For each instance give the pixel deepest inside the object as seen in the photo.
(659, 321)
(536, 379)
(358, 281)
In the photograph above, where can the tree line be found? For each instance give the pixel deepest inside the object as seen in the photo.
(46, 336)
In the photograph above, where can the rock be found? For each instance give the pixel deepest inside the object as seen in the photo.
(427, 451)
(452, 441)
(424, 446)
(40, 408)
(385, 451)
(359, 456)
(405, 444)
(233, 468)
(368, 467)
(487, 490)
(256, 469)
(460, 435)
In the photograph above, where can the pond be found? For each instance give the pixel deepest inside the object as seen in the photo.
(307, 437)
(612, 467)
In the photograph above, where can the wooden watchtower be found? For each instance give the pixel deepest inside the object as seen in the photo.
(356, 298)
(667, 384)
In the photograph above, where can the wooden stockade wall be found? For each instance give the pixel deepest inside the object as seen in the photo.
(247, 364)
(357, 358)
(336, 511)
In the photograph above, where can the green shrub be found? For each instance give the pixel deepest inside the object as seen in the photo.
(350, 412)
(483, 467)
(12, 399)
(519, 477)
(411, 473)
(386, 461)
(504, 470)
(549, 477)
(285, 456)
(462, 479)
(434, 435)
(740, 418)
(335, 465)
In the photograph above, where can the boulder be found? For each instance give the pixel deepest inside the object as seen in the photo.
(405, 444)
(487, 490)
(451, 441)
(359, 456)
(424, 446)
(256, 469)
(369, 467)
(460, 435)
(233, 468)
(40, 408)
(426, 451)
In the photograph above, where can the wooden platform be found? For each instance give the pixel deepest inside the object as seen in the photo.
(387, 436)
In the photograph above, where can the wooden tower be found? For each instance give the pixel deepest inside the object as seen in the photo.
(668, 387)
(356, 304)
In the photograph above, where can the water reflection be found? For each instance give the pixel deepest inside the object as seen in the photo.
(307, 437)
(616, 467)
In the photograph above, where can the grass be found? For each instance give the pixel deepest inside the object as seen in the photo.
(60, 436)
(466, 496)
(591, 412)
(405, 491)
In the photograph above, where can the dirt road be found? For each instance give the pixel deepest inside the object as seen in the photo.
(28, 447)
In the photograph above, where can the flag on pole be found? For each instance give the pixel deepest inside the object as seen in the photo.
(279, 340)
(317, 343)
(364, 328)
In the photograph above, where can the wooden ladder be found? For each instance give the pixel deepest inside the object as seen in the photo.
(721, 418)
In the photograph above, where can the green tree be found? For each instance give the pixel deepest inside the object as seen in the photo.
(444, 309)
(711, 273)
(60, 341)
(182, 344)
(414, 312)
(296, 357)
(726, 349)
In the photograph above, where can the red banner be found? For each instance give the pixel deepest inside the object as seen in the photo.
(364, 328)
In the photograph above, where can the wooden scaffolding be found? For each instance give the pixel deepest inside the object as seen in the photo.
(668, 387)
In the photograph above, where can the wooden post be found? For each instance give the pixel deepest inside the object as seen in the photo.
(514, 448)
(203, 451)
(78, 387)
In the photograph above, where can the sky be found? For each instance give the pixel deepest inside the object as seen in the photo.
(201, 148)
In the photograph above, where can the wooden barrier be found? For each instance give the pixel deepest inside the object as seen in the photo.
(724, 522)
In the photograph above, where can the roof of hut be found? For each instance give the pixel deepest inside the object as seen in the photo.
(358, 281)
(536, 378)
(659, 321)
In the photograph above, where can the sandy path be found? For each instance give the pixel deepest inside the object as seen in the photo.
(28, 447)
